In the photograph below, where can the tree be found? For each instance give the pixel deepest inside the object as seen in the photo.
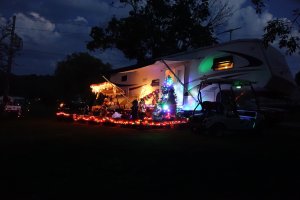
(297, 78)
(10, 43)
(259, 5)
(166, 107)
(77, 72)
(285, 30)
(4, 33)
(157, 28)
(6, 47)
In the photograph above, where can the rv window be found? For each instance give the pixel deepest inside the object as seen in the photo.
(155, 82)
(124, 78)
(223, 63)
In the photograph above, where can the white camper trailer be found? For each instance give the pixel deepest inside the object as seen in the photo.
(239, 59)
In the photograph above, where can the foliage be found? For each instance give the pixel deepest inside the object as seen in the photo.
(31, 87)
(259, 5)
(5, 48)
(283, 30)
(286, 31)
(4, 34)
(158, 28)
(77, 72)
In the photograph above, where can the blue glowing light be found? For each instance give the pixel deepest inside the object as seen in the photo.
(169, 81)
(165, 107)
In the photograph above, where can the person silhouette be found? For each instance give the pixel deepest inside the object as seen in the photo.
(134, 109)
(142, 109)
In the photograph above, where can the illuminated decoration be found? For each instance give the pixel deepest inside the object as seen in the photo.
(169, 81)
(223, 63)
(147, 93)
(148, 122)
(97, 88)
(63, 114)
(146, 89)
(166, 107)
(106, 88)
(151, 95)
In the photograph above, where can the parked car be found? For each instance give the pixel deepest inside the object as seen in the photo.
(13, 106)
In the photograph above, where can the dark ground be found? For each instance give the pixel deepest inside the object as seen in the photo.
(47, 159)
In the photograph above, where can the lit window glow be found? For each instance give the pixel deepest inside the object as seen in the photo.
(223, 63)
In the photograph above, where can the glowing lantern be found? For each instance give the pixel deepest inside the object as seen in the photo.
(106, 88)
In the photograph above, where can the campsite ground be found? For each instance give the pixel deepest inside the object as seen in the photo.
(47, 159)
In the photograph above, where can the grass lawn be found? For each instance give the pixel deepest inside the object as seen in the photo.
(47, 159)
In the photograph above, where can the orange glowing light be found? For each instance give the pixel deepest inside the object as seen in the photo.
(223, 65)
(100, 120)
(106, 88)
(63, 114)
(146, 90)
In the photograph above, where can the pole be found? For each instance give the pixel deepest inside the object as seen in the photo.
(230, 32)
(10, 60)
(115, 86)
(178, 79)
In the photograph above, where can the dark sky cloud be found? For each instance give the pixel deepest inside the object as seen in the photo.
(53, 29)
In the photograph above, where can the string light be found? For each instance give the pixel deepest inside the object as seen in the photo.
(109, 120)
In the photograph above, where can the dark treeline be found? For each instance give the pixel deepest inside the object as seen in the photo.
(43, 88)
(71, 81)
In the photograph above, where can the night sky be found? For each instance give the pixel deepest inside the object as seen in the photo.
(53, 29)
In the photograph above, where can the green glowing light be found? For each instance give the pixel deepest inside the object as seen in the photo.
(165, 107)
(206, 64)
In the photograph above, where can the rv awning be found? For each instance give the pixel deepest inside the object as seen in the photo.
(106, 88)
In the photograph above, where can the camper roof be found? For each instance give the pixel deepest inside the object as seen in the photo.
(132, 67)
(181, 56)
